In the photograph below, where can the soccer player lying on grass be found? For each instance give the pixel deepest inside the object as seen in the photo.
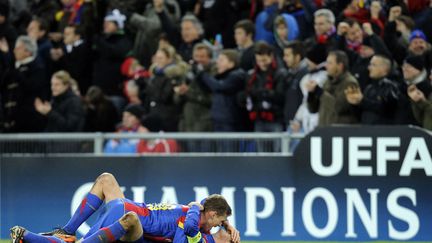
(159, 222)
(129, 229)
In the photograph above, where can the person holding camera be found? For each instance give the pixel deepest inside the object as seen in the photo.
(167, 72)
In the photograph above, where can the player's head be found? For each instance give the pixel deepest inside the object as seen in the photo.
(216, 211)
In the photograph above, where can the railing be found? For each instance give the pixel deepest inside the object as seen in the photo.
(190, 143)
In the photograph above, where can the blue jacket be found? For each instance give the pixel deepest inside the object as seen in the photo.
(264, 24)
(224, 89)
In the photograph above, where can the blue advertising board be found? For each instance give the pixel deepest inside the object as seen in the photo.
(342, 184)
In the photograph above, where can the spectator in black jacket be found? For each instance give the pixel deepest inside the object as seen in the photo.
(360, 54)
(244, 32)
(38, 31)
(23, 81)
(65, 112)
(414, 73)
(74, 56)
(158, 96)
(111, 49)
(6, 28)
(294, 57)
(379, 101)
(265, 91)
(230, 80)
(101, 114)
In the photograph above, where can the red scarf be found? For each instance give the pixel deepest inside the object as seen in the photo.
(264, 115)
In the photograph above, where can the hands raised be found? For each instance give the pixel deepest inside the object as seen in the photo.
(415, 94)
(311, 85)
(353, 95)
(43, 107)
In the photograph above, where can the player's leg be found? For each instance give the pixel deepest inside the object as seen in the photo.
(21, 235)
(105, 189)
(128, 229)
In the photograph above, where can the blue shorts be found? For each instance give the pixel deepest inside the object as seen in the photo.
(110, 213)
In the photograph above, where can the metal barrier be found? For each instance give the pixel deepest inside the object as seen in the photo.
(190, 143)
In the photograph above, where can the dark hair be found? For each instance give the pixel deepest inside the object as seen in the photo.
(247, 25)
(408, 21)
(351, 22)
(263, 48)
(95, 95)
(43, 24)
(341, 57)
(78, 30)
(217, 203)
(297, 48)
(232, 55)
(202, 46)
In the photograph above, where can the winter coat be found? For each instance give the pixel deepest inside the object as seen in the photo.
(19, 88)
(67, 113)
(423, 112)
(148, 29)
(264, 24)
(79, 63)
(293, 94)
(225, 87)
(265, 94)
(247, 59)
(332, 104)
(379, 103)
(111, 51)
(159, 94)
(196, 102)
(101, 117)
(293, 33)
(404, 113)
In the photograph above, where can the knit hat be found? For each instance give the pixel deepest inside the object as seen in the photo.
(416, 61)
(152, 122)
(317, 54)
(116, 17)
(127, 63)
(136, 110)
(417, 34)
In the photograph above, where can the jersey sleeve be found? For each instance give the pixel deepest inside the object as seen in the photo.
(191, 224)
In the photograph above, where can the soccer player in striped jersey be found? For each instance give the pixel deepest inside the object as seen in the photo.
(159, 222)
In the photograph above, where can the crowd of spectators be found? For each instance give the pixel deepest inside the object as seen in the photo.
(212, 65)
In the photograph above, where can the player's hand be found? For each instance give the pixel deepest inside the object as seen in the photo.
(235, 234)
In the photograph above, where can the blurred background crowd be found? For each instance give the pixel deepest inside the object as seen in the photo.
(212, 65)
